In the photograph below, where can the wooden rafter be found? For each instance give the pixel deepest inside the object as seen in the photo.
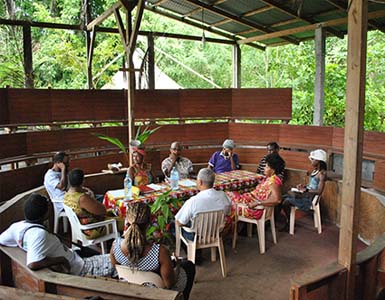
(160, 2)
(257, 11)
(138, 19)
(122, 30)
(283, 23)
(198, 25)
(310, 27)
(342, 6)
(293, 14)
(193, 12)
(91, 47)
(239, 20)
(247, 31)
(104, 15)
(219, 23)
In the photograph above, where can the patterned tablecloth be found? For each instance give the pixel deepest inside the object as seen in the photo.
(239, 180)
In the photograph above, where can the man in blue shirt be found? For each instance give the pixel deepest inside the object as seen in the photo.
(225, 160)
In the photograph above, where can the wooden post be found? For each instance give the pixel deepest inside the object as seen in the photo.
(151, 62)
(353, 140)
(236, 66)
(319, 83)
(27, 53)
(130, 84)
(90, 39)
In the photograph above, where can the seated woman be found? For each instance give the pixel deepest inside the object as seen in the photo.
(82, 201)
(135, 251)
(225, 160)
(140, 172)
(267, 192)
(304, 196)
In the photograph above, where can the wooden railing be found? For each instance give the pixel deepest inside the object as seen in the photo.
(329, 282)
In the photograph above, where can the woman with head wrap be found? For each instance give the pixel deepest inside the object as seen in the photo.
(140, 172)
(135, 251)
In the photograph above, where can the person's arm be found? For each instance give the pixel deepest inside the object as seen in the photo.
(62, 185)
(58, 264)
(321, 184)
(166, 267)
(274, 198)
(167, 169)
(232, 160)
(212, 161)
(131, 173)
(92, 206)
(112, 255)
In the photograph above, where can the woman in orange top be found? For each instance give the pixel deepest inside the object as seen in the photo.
(140, 172)
(267, 192)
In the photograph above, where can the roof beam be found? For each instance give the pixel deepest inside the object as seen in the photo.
(239, 20)
(160, 2)
(310, 27)
(196, 24)
(342, 6)
(193, 12)
(104, 15)
(138, 20)
(257, 11)
(293, 14)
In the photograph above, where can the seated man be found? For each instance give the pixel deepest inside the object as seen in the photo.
(44, 249)
(55, 179)
(208, 199)
(272, 147)
(225, 160)
(182, 164)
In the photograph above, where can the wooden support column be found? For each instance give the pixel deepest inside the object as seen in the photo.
(90, 40)
(353, 140)
(319, 82)
(151, 62)
(236, 66)
(27, 53)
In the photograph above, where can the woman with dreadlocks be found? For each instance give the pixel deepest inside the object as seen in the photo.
(135, 251)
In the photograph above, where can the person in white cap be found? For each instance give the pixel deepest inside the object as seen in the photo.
(303, 195)
(225, 160)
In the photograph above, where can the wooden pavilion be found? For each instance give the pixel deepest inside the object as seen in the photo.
(261, 23)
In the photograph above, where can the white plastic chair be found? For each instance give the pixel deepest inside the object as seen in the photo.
(268, 214)
(207, 228)
(78, 235)
(57, 215)
(133, 275)
(315, 207)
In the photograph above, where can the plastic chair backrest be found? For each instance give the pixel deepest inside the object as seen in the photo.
(133, 275)
(208, 225)
(75, 223)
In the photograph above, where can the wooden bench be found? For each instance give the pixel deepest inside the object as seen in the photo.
(15, 273)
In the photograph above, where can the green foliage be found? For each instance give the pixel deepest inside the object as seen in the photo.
(163, 208)
(59, 60)
(145, 134)
(115, 141)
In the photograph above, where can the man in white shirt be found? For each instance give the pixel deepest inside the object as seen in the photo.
(55, 179)
(208, 199)
(44, 249)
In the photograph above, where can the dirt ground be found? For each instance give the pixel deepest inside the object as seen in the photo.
(252, 275)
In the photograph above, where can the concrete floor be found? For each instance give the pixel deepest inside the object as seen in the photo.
(252, 275)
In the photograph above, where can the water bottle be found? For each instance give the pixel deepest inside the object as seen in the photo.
(127, 187)
(174, 179)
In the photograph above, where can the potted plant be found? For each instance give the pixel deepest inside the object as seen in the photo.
(163, 211)
(140, 138)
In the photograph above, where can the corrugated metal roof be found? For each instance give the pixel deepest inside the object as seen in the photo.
(241, 19)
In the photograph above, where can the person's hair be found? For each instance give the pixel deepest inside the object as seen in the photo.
(275, 162)
(59, 157)
(35, 208)
(76, 177)
(274, 145)
(323, 165)
(207, 176)
(138, 218)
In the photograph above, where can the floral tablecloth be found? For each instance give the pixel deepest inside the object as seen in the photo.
(238, 180)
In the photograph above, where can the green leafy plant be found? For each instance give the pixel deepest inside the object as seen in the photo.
(163, 210)
(115, 141)
(145, 134)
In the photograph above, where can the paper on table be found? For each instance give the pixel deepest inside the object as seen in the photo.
(187, 182)
(155, 187)
(116, 194)
(296, 190)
